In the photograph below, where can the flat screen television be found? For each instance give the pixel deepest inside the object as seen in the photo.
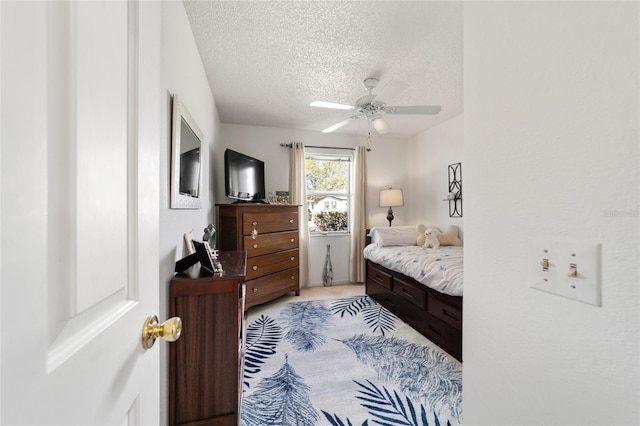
(243, 177)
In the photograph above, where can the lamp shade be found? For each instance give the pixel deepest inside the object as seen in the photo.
(391, 198)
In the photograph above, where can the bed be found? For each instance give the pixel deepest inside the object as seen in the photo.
(422, 286)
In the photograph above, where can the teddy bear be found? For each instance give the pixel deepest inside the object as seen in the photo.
(427, 236)
(431, 239)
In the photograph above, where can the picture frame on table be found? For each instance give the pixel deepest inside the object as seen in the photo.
(282, 197)
(206, 255)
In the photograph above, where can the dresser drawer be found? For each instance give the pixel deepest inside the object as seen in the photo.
(385, 297)
(414, 295)
(445, 336)
(271, 286)
(265, 223)
(444, 311)
(269, 263)
(378, 276)
(270, 243)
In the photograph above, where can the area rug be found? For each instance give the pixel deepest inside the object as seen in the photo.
(344, 362)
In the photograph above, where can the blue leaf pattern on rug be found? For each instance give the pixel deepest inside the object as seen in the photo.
(336, 421)
(350, 305)
(281, 399)
(306, 322)
(390, 409)
(353, 359)
(262, 337)
(375, 316)
(419, 370)
(378, 318)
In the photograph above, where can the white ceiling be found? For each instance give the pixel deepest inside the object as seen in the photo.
(267, 60)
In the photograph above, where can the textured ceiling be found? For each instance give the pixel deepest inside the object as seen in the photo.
(267, 60)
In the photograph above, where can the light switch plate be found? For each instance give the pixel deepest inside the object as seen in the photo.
(561, 254)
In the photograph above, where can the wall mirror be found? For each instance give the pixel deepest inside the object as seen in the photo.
(186, 160)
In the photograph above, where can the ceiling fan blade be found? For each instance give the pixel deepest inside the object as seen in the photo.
(332, 105)
(340, 124)
(415, 109)
(390, 90)
(380, 125)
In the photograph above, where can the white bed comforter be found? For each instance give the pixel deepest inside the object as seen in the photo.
(439, 269)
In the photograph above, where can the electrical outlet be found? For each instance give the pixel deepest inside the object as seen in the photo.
(566, 268)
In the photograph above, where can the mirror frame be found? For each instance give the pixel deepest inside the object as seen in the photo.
(180, 114)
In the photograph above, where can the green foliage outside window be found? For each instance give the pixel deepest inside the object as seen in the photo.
(327, 175)
(331, 220)
(327, 184)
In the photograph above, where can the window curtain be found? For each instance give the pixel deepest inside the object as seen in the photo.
(298, 195)
(358, 214)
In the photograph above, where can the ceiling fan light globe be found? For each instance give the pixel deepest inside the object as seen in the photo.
(380, 125)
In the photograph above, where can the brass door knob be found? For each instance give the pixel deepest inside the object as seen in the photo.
(169, 330)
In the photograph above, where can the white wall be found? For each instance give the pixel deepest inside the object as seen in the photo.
(551, 150)
(432, 152)
(386, 166)
(182, 73)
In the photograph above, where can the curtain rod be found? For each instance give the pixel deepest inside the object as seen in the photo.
(289, 145)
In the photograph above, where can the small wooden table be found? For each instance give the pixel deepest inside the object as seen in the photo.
(205, 363)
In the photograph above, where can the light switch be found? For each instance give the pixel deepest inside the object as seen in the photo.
(566, 268)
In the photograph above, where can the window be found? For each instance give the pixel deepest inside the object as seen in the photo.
(328, 194)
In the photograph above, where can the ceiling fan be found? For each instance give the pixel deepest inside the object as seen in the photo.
(373, 106)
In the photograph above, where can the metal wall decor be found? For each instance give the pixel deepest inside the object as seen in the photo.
(455, 190)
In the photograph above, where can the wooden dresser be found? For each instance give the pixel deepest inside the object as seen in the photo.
(270, 236)
(205, 363)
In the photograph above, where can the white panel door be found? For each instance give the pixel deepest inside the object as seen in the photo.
(79, 211)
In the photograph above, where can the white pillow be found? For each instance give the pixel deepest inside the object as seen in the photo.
(394, 236)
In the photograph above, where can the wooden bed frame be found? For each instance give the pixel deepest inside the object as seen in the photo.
(435, 315)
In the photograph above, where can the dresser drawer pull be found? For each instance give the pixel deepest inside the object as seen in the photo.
(255, 267)
(293, 258)
(255, 289)
(293, 239)
(254, 223)
(293, 277)
(434, 330)
(255, 246)
(447, 314)
(406, 292)
(290, 220)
